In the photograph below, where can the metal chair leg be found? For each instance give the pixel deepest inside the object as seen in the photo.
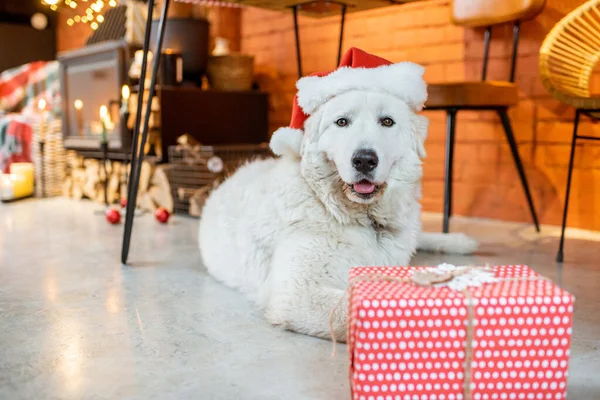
(295, 10)
(137, 152)
(450, 130)
(343, 20)
(517, 158)
(297, 36)
(559, 256)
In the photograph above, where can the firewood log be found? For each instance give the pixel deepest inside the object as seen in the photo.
(160, 190)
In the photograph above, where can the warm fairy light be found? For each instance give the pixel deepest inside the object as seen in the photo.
(91, 14)
(78, 104)
(41, 104)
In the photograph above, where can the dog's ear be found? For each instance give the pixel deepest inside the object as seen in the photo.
(420, 128)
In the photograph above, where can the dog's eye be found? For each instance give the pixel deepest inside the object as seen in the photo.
(387, 122)
(342, 122)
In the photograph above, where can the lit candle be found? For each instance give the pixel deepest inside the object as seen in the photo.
(125, 99)
(103, 118)
(78, 104)
(42, 108)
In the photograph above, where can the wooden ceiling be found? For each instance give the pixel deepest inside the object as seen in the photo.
(313, 8)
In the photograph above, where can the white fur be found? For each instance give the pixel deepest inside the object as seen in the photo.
(285, 233)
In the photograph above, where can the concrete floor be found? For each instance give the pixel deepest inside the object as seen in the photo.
(75, 324)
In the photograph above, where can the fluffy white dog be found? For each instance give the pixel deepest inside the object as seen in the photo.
(345, 193)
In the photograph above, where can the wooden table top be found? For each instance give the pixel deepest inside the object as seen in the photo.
(316, 8)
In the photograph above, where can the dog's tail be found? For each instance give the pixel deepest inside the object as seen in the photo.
(451, 243)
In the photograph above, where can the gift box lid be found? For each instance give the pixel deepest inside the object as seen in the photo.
(518, 282)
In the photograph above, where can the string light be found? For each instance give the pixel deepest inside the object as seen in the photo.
(92, 13)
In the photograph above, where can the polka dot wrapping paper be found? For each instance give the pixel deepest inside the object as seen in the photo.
(408, 342)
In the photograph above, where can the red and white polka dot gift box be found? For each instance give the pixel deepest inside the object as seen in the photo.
(409, 341)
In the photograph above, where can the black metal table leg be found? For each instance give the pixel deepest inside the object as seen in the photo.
(137, 149)
(450, 129)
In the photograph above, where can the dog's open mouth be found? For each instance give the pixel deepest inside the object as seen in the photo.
(364, 189)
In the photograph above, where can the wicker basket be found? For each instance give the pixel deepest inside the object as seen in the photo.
(50, 172)
(232, 72)
(191, 170)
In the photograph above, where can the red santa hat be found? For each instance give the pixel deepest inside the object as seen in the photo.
(358, 70)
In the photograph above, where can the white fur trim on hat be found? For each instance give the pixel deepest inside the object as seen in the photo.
(403, 80)
(287, 142)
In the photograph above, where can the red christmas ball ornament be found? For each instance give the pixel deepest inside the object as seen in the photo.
(162, 215)
(123, 202)
(113, 215)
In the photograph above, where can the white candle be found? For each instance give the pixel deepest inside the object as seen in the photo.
(78, 104)
(103, 117)
(125, 93)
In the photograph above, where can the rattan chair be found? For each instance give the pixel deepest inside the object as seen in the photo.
(567, 59)
(484, 95)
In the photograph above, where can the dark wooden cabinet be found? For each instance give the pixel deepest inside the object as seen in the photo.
(213, 117)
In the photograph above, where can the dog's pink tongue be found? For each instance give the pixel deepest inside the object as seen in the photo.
(364, 187)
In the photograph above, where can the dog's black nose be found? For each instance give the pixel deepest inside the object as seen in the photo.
(365, 160)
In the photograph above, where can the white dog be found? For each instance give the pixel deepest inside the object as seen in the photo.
(345, 193)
